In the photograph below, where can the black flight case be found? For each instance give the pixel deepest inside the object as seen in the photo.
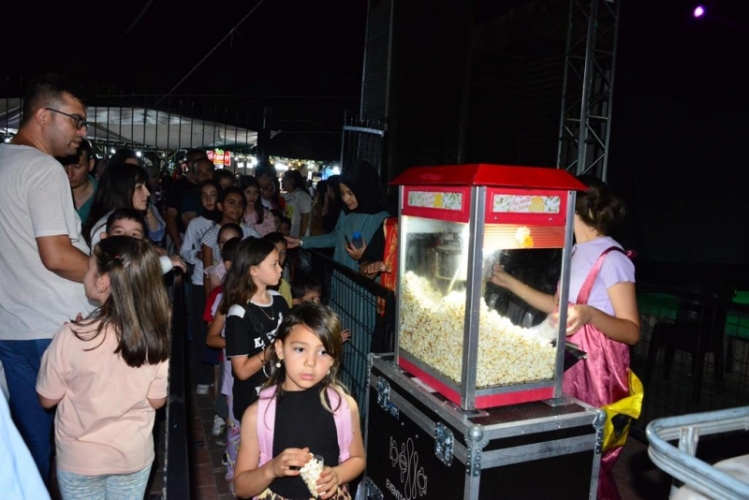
(422, 446)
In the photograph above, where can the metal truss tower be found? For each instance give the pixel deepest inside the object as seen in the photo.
(585, 122)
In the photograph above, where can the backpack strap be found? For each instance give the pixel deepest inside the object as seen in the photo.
(266, 421)
(342, 417)
(584, 294)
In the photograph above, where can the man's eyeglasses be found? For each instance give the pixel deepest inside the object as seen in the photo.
(80, 122)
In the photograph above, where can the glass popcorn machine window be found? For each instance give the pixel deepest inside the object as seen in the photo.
(458, 330)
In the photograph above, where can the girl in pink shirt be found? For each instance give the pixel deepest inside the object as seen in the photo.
(107, 374)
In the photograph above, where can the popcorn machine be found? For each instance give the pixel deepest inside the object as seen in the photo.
(464, 337)
(469, 406)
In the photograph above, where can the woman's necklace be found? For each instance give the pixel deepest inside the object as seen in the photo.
(273, 314)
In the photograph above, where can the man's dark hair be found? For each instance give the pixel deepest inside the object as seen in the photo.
(190, 157)
(46, 91)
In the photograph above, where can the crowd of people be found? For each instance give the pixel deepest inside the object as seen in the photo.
(85, 330)
(85, 335)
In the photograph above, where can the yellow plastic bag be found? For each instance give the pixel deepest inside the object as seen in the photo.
(619, 414)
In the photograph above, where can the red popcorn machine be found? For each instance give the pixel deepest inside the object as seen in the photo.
(467, 339)
(470, 405)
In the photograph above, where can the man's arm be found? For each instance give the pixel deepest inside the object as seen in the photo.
(171, 227)
(60, 256)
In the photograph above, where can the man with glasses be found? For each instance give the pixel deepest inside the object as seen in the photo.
(43, 255)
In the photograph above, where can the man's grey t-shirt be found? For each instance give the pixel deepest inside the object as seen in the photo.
(35, 201)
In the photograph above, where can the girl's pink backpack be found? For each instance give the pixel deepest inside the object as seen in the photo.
(266, 419)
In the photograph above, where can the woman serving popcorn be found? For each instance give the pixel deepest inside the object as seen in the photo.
(602, 317)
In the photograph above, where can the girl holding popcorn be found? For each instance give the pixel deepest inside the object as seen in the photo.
(312, 413)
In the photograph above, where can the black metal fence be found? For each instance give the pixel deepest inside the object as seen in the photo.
(176, 461)
(693, 355)
(143, 116)
(367, 309)
(364, 139)
(119, 119)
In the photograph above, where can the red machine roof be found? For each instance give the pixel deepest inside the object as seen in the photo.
(481, 174)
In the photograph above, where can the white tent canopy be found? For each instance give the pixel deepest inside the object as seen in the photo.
(144, 127)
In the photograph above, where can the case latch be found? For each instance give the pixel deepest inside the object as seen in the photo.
(371, 491)
(598, 423)
(443, 444)
(383, 397)
(475, 442)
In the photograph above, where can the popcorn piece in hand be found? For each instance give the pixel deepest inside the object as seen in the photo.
(310, 473)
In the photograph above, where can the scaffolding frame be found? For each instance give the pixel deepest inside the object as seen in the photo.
(587, 92)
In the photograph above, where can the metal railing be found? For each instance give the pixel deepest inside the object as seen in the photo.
(693, 354)
(681, 462)
(176, 462)
(367, 309)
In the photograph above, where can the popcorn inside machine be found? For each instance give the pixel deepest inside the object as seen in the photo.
(462, 335)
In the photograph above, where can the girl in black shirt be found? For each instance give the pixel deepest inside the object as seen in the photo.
(253, 313)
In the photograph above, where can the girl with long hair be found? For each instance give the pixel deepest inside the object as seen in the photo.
(107, 374)
(303, 411)
(255, 214)
(253, 312)
(122, 185)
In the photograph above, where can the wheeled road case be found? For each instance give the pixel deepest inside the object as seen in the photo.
(422, 446)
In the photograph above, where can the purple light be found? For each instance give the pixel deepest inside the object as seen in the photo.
(699, 11)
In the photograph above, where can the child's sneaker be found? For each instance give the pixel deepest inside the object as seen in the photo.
(218, 425)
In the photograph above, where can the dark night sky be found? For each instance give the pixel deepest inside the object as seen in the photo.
(678, 131)
(309, 52)
(680, 99)
(283, 47)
